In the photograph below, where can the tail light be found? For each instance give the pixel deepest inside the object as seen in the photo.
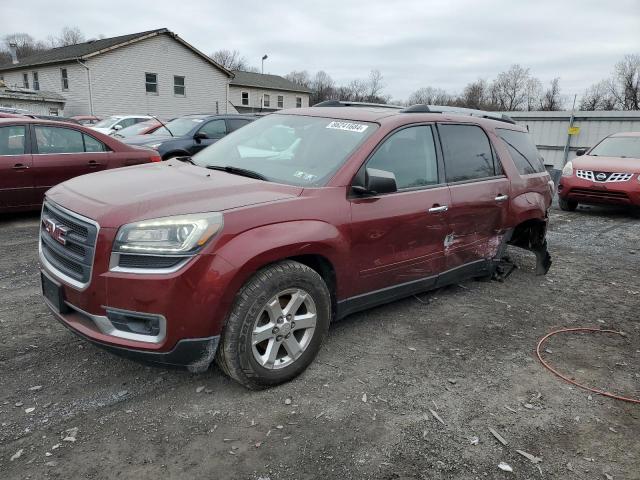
(155, 158)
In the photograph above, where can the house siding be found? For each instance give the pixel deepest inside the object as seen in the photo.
(77, 96)
(118, 80)
(255, 97)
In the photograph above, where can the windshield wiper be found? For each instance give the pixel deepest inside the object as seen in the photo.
(186, 159)
(238, 171)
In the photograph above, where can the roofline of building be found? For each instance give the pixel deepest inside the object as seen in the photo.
(40, 97)
(244, 84)
(151, 34)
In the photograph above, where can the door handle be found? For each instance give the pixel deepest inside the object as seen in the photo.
(20, 166)
(438, 209)
(92, 163)
(501, 198)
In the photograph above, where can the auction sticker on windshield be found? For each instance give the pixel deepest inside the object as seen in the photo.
(350, 127)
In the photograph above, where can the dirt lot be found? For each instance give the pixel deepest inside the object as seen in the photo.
(364, 408)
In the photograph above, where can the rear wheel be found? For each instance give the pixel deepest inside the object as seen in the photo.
(567, 205)
(276, 327)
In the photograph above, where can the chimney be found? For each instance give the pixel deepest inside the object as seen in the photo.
(13, 50)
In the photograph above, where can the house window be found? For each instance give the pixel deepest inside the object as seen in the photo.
(25, 80)
(266, 102)
(280, 101)
(53, 111)
(36, 82)
(151, 83)
(245, 98)
(298, 102)
(64, 79)
(178, 86)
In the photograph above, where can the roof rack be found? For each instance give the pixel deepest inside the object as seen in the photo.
(422, 108)
(340, 103)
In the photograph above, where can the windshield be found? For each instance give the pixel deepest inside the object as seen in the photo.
(179, 126)
(290, 149)
(624, 147)
(136, 129)
(107, 122)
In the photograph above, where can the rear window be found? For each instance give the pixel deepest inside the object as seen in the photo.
(467, 153)
(523, 151)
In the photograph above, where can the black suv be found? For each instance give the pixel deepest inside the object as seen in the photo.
(187, 135)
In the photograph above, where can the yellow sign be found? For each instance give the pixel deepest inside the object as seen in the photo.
(574, 130)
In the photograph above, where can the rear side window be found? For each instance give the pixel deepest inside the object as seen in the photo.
(59, 140)
(410, 155)
(12, 140)
(236, 123)
(215, 128)
(467, 153)
(93, 145)
(523, 151)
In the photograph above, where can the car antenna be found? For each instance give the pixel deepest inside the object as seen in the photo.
(163, 124)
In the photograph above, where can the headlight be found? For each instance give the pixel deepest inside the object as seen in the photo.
(567, 171)
(153, 145)
(179, 235)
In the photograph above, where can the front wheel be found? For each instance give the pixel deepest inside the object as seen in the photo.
(567, 205)
(276, 327)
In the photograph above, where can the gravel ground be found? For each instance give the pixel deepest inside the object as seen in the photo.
(401, 391)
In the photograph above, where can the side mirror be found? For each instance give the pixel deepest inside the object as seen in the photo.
(377, 182)
(117, 127)
(200, 136)
(580, 152)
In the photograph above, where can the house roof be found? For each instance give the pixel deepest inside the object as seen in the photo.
(82, 51)
(264, 80)
(31, 95)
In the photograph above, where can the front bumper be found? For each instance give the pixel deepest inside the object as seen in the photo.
(196, 354)
(610, 193)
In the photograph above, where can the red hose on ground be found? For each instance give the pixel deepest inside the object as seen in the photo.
(594, 390)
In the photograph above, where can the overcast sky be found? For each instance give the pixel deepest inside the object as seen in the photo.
(414, 43)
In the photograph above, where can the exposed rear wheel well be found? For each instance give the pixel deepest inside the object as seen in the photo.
(530, 234)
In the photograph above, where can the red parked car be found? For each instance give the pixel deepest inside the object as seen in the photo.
(38, 154)
(247, 251)
(609, 173)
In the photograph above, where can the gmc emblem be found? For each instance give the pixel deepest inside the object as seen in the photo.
(57, 232)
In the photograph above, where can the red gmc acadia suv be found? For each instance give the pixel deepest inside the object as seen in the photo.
(245, 252)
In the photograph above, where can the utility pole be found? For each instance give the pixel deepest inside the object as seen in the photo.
(571, 120)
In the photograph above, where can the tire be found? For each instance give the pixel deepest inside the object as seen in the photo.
(256, 313)
(567, 205)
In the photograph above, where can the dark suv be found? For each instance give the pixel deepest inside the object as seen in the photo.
(247, 251)
(187, 135)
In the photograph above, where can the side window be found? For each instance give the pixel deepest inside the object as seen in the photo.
(127, 122)
(467, 153)
(12, 140)
(215, 128)
(410, 154)
(93, 145)
(58, 140)
(522, 150)
(236, 123)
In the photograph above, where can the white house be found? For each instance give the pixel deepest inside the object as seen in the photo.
(153, 72)
(256, 92)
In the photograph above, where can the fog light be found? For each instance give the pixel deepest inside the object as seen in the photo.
(133, 322)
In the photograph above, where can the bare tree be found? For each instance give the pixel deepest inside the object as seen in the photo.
(322, 86)
(430, 96)
(511, 90)
(375, 86)
(551, 99)
(475, 95)
(626, 83)
(70, 36)
(300, 78)
(598, 97)
(231, 60)
(26, 46)
(533, 90)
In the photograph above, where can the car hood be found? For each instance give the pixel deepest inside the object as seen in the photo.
(607, 164)
(145, 139)
(125, 195)
(104, 130)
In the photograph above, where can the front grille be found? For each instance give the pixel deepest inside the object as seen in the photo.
(595, 194)
(603, 177)
(72, 253)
